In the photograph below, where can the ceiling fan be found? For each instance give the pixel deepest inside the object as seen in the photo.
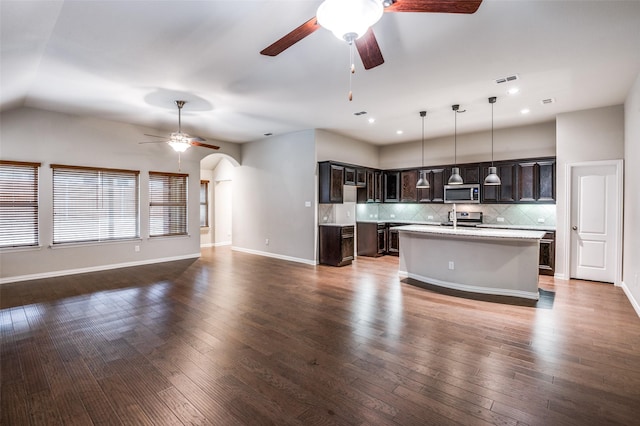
(180, 141)
(362, 14)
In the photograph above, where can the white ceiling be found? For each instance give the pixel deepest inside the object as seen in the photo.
(129, 60)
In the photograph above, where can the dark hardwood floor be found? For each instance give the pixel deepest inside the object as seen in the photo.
(234, 338)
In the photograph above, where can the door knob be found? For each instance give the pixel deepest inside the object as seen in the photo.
(575, 228)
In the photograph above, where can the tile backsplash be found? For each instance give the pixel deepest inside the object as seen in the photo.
(511, 214)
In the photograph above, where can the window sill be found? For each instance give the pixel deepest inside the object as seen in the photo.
(19, 249)
(169, 237)
(92, 243)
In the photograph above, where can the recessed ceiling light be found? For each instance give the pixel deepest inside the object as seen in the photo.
(371, 120)
(513, 90)
(399, 132)
(525, 111)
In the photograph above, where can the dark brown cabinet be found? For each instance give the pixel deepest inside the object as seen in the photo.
(408, 190)
(547, 254)
(372, 238)
(470, 173)
(536, 181)
(393, 240)
(391, 187)
(336, 244)
(439, 178)
(330, 182)
(349, 176)
(361, 178)
(506, 191)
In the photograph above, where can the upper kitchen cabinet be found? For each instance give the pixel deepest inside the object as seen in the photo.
(506, 191)
(391, 187)
(350, 176)
(331, 181)
(408, 190)
(470, 173)
(361, 177)
(536, 181)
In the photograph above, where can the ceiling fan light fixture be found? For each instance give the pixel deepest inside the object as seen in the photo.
(179, 142)
(349, 19)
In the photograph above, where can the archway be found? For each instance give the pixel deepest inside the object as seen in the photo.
(216, 191)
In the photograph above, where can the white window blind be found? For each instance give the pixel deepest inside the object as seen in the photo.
(18, 204)
(204, 203)
(94, 204)
(167, 204)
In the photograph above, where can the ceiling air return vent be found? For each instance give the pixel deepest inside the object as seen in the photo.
(548, 101)
(507, 79)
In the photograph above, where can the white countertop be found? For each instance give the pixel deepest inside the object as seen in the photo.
(546, 228)
(514, 234)
(337, 224)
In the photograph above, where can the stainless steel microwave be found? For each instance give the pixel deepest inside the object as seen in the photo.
(466, 193)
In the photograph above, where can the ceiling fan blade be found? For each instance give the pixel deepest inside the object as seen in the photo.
(435, 6)
(153, 141)
(292, 38)
(154, 136)
(196, 139)
(369, 50)
(204, 145)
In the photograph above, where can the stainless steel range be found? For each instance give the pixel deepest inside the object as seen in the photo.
(464, 218)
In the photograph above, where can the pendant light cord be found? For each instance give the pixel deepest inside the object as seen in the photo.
(492, 134)
(423, 141)
(455, 138)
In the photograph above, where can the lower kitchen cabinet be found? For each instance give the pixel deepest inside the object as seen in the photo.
(393, 240)
(336, 244)
(372, 238)
(547, 254)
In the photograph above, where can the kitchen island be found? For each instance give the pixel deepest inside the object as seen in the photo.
(490, 261)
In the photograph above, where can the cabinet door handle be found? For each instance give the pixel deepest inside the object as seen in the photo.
(575, 228)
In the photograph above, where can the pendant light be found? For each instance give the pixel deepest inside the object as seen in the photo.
(492, 178)
(455, 178)
(422, 182)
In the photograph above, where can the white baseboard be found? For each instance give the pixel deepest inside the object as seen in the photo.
(220, 244)
(633, 301)
(275, 255)
(561, 277)
(472, 288)
(61, 273)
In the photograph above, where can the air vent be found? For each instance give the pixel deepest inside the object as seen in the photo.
(507, 79)
(360, 113)
(548, 101)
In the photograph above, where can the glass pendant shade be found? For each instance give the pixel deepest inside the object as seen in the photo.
(179, 142)
(423, 183)
(492, 178)
(455, 178)
(344, 18)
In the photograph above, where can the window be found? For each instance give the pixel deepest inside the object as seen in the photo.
(18, 204)
(204, 203)
(93, 204)
(167, 204)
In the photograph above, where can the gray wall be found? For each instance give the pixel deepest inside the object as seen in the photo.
(330, 146)
(537, 140)
(631, 260)
(276, 179)
(589, 135)
(48, 137)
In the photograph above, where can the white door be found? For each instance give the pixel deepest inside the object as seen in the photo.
(594, 215)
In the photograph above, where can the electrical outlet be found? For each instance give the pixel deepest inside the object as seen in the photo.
(500, 219)
(266, 242)
(136, 248)
(451, 265)
(540, 220)
(430, 217)
(324, 218)
(307, 203)
(392, 215)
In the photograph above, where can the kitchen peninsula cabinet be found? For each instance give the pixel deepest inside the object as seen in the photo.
(547, 254)
(336, 244)
(372, 238)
